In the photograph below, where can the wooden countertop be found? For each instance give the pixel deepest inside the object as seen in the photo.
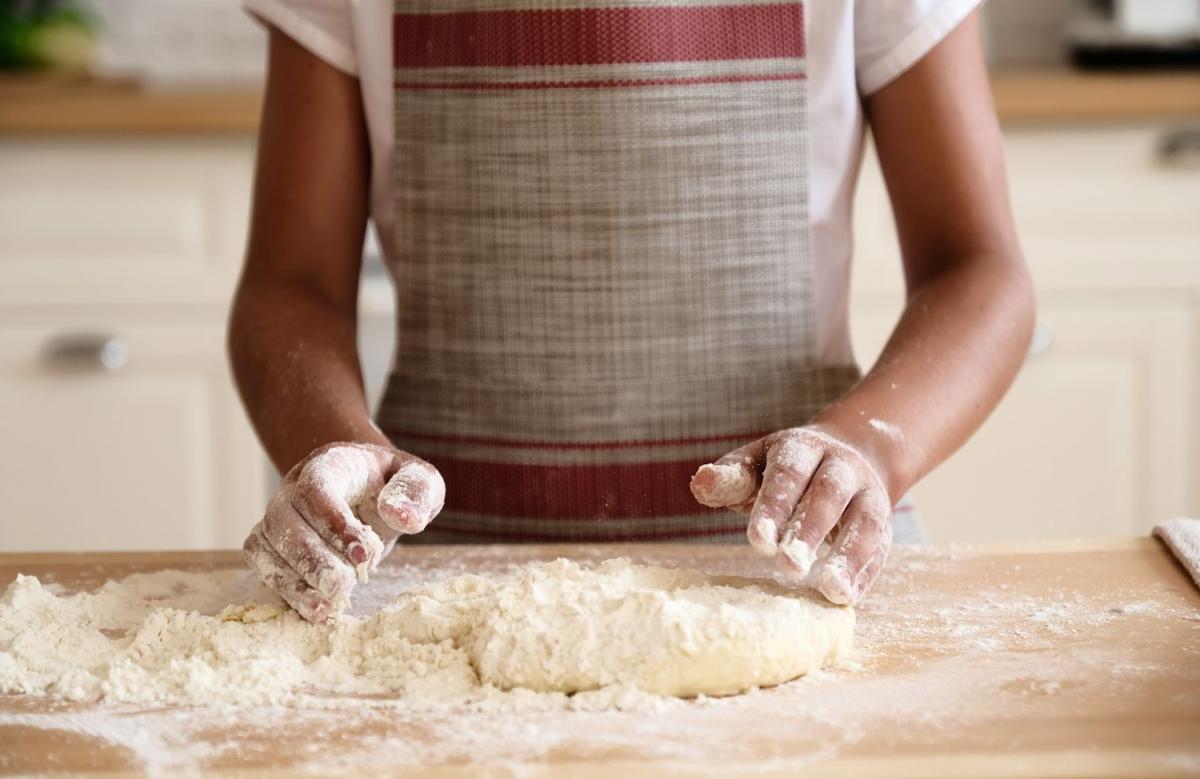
(67, 106)
(79, 106)
(1078, 661)
(1070, 96)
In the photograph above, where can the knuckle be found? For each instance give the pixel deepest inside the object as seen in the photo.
(312, 501)
(879, 519)
(250, 546)
(419, 473)
(273, 521)
(791, 451)
(836, 479)
(784, 468)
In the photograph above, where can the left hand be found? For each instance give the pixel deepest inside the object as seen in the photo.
(811, 483)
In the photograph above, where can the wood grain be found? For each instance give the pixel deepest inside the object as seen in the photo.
(1077, 660)
(80, 106)
(1049, 96)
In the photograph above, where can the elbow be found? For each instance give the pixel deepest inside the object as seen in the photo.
(1024, 300)
(239, 332)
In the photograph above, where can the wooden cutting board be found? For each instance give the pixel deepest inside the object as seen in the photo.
(1046, 661)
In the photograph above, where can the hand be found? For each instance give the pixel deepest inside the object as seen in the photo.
(336, 514)
(811, 483)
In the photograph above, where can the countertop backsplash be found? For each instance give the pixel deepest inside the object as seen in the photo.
(180, 43)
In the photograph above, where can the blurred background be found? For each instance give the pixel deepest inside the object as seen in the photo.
(127, 132)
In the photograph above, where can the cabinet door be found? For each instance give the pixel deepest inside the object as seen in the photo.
(1092, 440)
(150, 454)
(122, 220)
(1097, 210)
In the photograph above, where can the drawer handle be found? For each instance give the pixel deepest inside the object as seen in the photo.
(86, 351)
(1180, 148)
(1041, 340)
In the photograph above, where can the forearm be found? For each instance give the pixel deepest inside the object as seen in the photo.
(295, 362)
(957, 347)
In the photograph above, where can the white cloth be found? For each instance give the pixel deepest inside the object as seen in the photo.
(854, 49)
(1182, 536)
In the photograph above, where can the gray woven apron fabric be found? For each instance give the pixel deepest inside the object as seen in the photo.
(602, 256)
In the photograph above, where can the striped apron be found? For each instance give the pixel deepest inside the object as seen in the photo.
(602, 258)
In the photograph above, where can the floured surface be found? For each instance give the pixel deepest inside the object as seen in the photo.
(170, 638)
(1001, 655)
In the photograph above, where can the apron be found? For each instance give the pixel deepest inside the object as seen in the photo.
(602, 259)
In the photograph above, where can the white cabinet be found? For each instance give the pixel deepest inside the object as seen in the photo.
(1098, 436)
(139, 239)
(141, 221)
(154, 454)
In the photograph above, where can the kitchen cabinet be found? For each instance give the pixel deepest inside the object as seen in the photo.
(125, 221)
(122, 434)
(120, 423)
(1098, 436)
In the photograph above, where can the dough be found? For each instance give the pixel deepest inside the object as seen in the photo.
(562, 627)
(170, 638)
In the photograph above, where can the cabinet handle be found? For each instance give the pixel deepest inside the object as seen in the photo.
(1180, 148)
(86, 351)
(1041, 341)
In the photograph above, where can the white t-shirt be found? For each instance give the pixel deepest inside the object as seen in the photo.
(854, 48)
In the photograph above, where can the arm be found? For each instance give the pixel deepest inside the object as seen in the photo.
(292, 329)
(969, 316)
(347, 493)
(956, 349)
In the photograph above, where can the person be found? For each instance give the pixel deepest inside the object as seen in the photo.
(620, 235)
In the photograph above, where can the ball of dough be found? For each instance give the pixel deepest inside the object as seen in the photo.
(562, 627)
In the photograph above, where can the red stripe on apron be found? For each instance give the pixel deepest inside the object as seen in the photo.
(505, 86)
(593, 36)
(735, 532)
(569, 492)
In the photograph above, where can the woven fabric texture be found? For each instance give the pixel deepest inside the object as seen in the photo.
(603, 259)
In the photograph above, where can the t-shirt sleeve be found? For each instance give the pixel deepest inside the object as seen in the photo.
(323, 27)
(890, 36)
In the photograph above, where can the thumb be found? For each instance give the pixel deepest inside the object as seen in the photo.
(412, 497)
(731, 480)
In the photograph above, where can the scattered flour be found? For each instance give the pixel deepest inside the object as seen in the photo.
(887, 428)
(948, 642)
(613, 633)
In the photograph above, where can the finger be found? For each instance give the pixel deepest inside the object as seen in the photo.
(412, 497)
(790, 466)
(369, 515)
(732, 480)
(869, 574)
(329, 485)
(745, 507)
(307, 553)
(279, 577)
(818, 510)
(858, 553)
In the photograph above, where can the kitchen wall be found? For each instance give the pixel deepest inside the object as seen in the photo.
(123, 206)
(1027, 32)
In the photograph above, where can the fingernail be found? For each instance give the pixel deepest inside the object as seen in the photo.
(860, 579)
(801, 555)
(763, 536)
(407, 509)
(722, 484)
(357, 553)
(833, 581)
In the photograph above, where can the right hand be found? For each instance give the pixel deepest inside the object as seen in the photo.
(336, 514)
